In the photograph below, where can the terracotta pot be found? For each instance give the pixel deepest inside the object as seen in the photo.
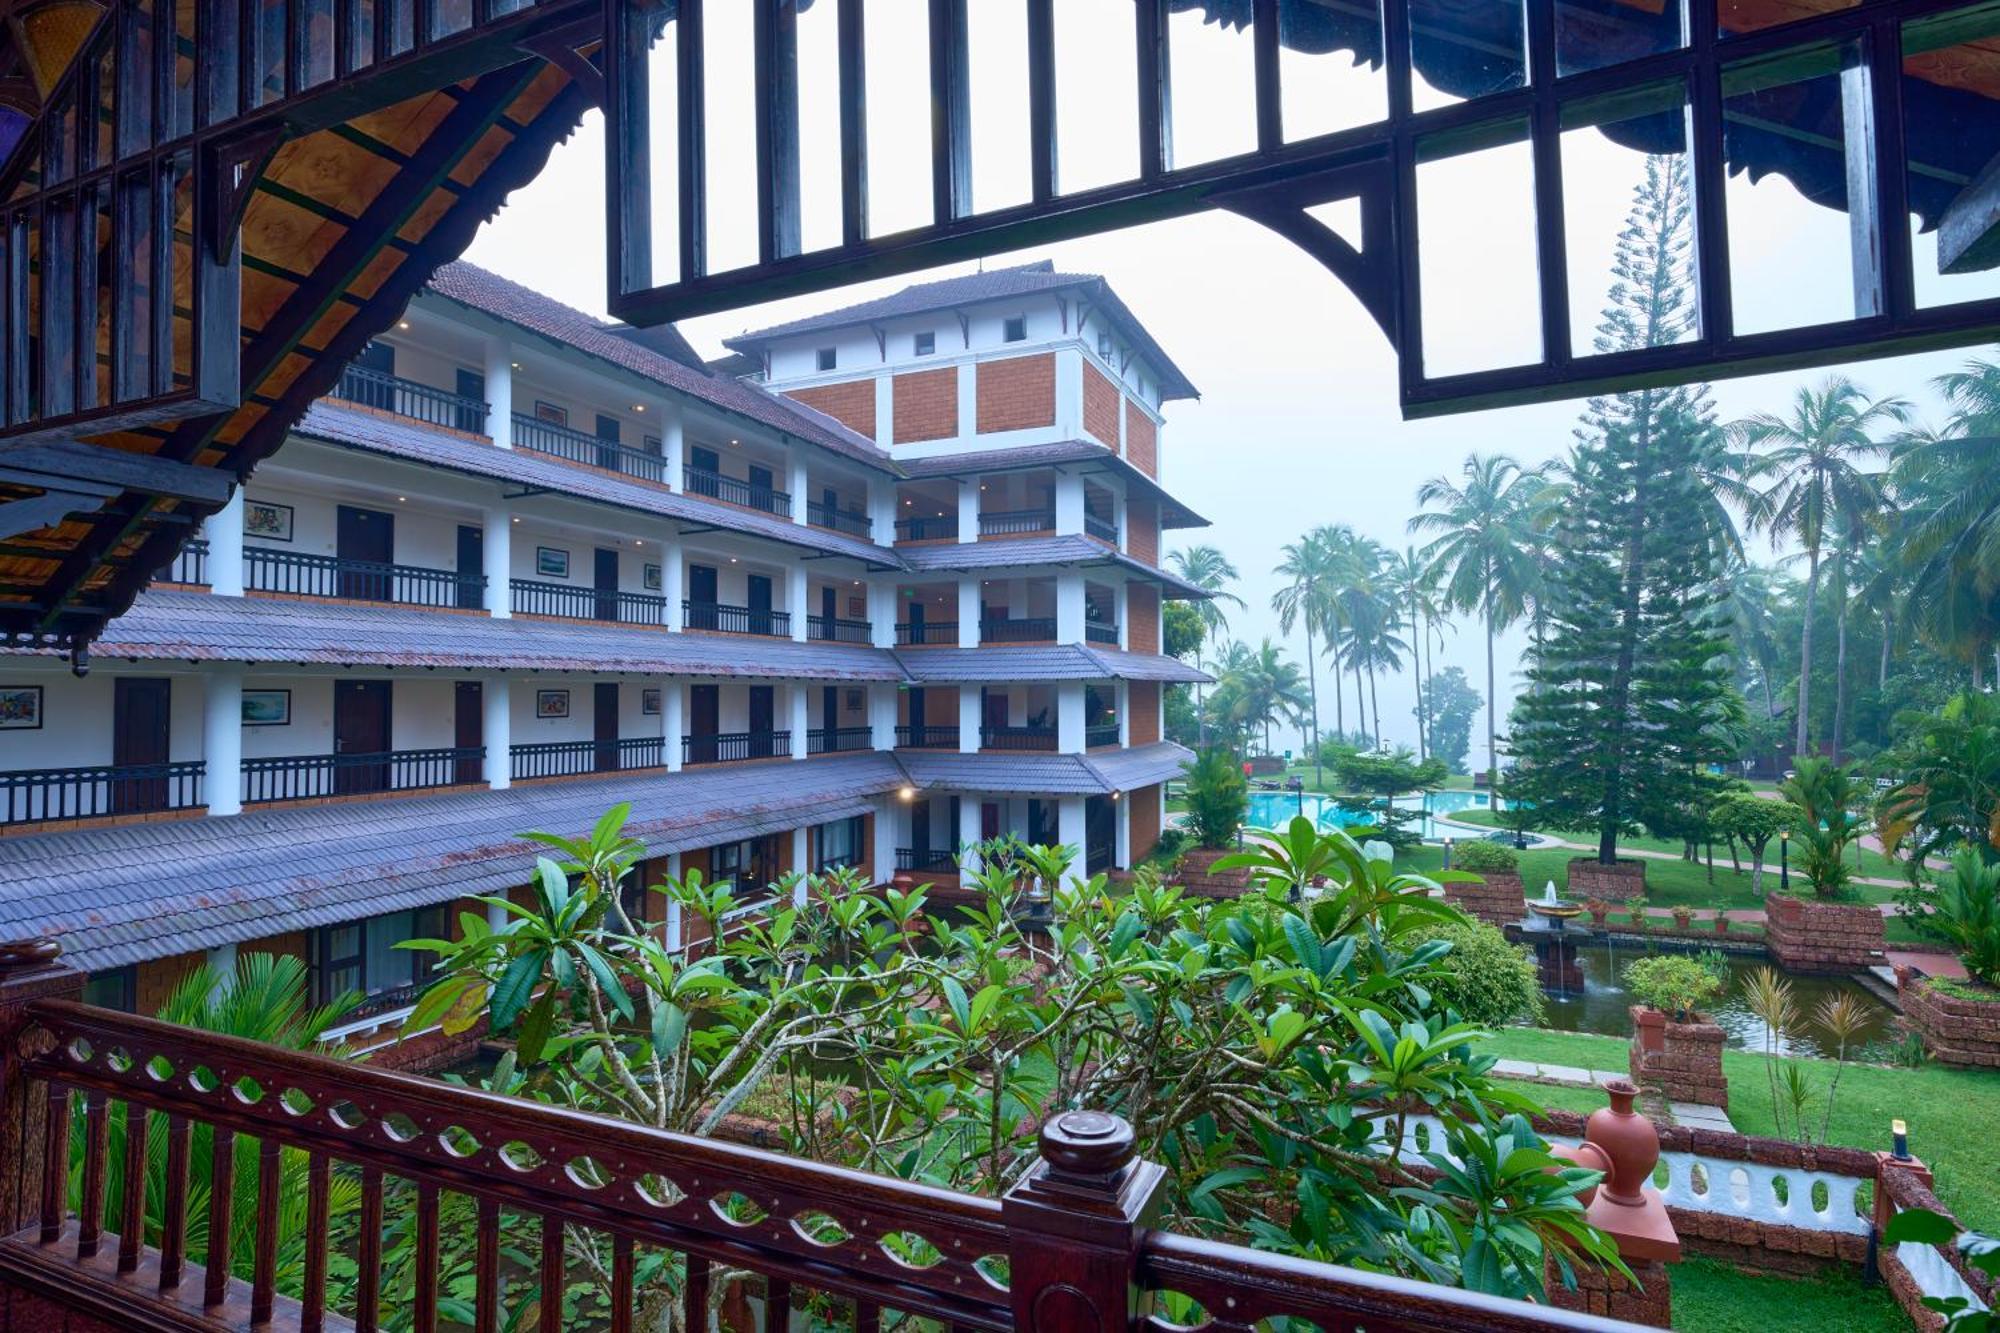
(1628, 1139)
(1599, 915)
(1683, 919)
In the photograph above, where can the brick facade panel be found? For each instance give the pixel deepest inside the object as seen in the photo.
(1145, 821)
(1142, 531)
(852, 403)
(1100, 406)
(1142, 699)
(1142, 441)
(926, 405)
(157, 977)
(1018, 393)
(1142, 605)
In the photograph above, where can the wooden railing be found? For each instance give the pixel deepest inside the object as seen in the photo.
(565, 759)
(1015, 522)
(732, 747)
(573, 445)
(834, 629)
(926, 633)
(1102, 734)
(736, 491)
(927, 528)
(851, 521)
(301, 777)
(721, 618)
(407, 398)
(1101, 528)
(1017, 629)
(39, 795)
(936, 736)
(305, 574)
(571, 601)
(189, 566)
(1017, 738)
(839, 740)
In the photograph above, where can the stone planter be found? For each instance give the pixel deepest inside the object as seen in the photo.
(1196, 877)
(1721, 924)
(1497, 899)
(1806, 935)
(1613, 883)
(1682, 1061)
(1956, 1031)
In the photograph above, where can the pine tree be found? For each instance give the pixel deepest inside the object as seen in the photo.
(1629, 696)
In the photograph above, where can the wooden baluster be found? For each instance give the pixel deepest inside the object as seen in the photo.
(96, 1146)
(867, 1317)
(312, 1300)
(368, 1286)
(174, 1208)
(132, 1224)
(777, 1304)
(425, 1307)
(221, 1216)
(486, 1271)
(1074, 1223)
(621, 1287)
(694, 1294)
(264, 1273)
(55, 1163)
(552, 1274)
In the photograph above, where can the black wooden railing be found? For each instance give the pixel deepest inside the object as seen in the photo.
(1104, 733)
(927, 632)
(577, 447)
(851, 521)
(724, 619)
(1017, 738)
(1101, 528)
(734, 490)
(407, 398)
(189, 567)
(303, 574)
(1096, 631)
(927, 738)
(534, 597)
(568, 759)
(1017, 629)
(837, 740)
(730, 747)
(931, 527)
(36, 795)
(303, 776)
(926, 860)
(839, 860)
(835, 630)
(1015, 522)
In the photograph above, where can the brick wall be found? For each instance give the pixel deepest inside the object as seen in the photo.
(1496, 897)
(1100, 406)
(1018, 393)
(1808, 936)
(1955, 1031)
(926, 405)
(852, 403)
(156, 979)
(1145, 820)
(1682, 1061)
(1142, 607)
(1142, 441)
(1142, 531)
(1142, 699)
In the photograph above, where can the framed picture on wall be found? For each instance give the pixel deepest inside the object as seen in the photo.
(649, 701)
(20, 707)
(273, 522)
(551, 562)
(551, 703)
(853, 701)
(549, 412)
(857, 608)
(652, 578)
(267, 708)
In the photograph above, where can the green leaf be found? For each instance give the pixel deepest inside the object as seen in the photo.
(1305, 944)
(1922, 1227)
(517, 984)
(433, 1003)
(465, 1012)
(954, 995)
(607, 980)
(670, 1023)
(535, 1028)
(1223, 1179)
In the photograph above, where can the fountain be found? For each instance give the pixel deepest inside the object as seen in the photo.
(1555, 946)
(1553, 910)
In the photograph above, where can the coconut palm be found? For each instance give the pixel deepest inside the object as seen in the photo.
(1480, 551)
(1414, 587)
(1819, 487)
(1747, 598)
(1208, 569)
(1949, 519)
(1312, 565)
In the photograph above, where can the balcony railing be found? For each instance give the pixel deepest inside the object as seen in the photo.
(851, 521)
(568, 759)
(932, 633)
(1015, 522)
(37, 795)
(302, 777)
(833, 629)
(534, 597)
(929, 528)
(189, 567)
(302, 574)
(1104, 733)
(1017, 629)
(725, 619)
(731, 747)
(577, 447)
(1096, 631)
(927, 738)
(927, 860)
(1101, 528)
(407, 398)
(733, 490)
(838, 740)
(1017, 738)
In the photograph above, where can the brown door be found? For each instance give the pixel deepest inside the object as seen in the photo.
(468, 703)
(763, 721)
(704, 716)
(605, 582)
(140, 707)
(365, 543)
(993, 711)
(605, 723)
(361, 736)
(989, 820)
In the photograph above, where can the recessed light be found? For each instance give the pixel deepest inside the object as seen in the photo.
(515, 364)
(732, 559)
(517, 520)
(402, 323)
(638, 407)
(402, 499)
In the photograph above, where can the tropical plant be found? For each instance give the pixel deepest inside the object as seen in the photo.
(1485, 979)
(1922, 1226)
(1218, 798)
(1672, 983)
(1767, 993)
(1827, 797)
(1413, 585)
(1949, 795)
(1962, 908)
(1745, 817)
(1450, 704)
(1371, 782)
(1312, 565)
(1484, 856)
(1209, 570)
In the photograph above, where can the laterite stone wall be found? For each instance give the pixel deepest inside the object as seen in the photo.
(1808, 936)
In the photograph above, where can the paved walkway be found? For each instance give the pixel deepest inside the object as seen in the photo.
(1693, 1114)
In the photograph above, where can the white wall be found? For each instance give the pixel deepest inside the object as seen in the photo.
(77, 718)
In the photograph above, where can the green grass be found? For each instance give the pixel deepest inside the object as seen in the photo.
(1712, 1297)
(1304, 773)
(1558, 1097)
(1951, 1112)
(1867, 862)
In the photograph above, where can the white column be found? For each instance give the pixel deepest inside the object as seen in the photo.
(673, 582)
(498, 544)
(1070, 832)
(797, 482)
(800, 701)
(221, 961)
(885, 411)
(673, 703)
(1124, 706)
(224, 531)
(671, 438)
(968, 510)
(1120, 509)
(1069, 717)
(968, 400)
(882, 612)
(673, 930)
(222, 738)
(969, 610)
(968, 827)
(1069, 607)
(795, 600)
(1069, 393)
(882, 510)
(1119, 605)
(888, 820)
(500, 392)
(496, 918)
(496, 728)
(968, 719)
(882, 715)
(1069, 504)
(801, 863)
(1121, 823)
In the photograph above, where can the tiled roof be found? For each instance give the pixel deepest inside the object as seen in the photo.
(969, 289)
(470, 285)
(1025, 662)
(1033, 552)
(1097, 774)
(155, 890)
(1140, 766)
(1173, 514)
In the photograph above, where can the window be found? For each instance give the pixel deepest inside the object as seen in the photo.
(116, 989)
(1104, 346)
(361, 956)
(923, 344)
(840, 843)
(1015, 330)
(549, 412)
(826, 358)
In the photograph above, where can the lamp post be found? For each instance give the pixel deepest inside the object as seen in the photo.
(1784, 860)
(1447, 853)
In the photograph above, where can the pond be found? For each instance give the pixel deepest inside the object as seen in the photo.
(1275, 809)
(1601, 1005)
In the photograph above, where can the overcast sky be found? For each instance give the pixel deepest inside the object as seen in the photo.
(1298, 422)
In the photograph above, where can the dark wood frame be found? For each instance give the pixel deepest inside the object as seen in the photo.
(651, 701)
(41, 708)
(288, 708)
(291, 517)
(551, 572)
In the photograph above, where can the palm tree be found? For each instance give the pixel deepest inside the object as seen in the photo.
(1746, 598)
(1949, 533)
(1414, 587)
(1818, 489)
(1311, 564)
(1208, 569)
(1480, 553)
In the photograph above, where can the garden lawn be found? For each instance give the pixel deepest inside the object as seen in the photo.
(1668, 883)
(1951, 1112)
(1712, 1297)
(1866, 862)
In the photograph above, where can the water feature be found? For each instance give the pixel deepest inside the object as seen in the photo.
(1275, 809)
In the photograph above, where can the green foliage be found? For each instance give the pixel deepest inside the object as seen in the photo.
(1964, 989)
(1451, 703)
(1484, 855)
(1373, 780)
(1827, 797)
(1921, 1226)
(1181, 630)
(1218, 798)
(1949, 795)
(1484, 979)
(1672, 983)
(1753, 820)
(1962, 908)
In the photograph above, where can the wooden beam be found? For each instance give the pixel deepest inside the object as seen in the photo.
(1969, 228)
(66, 462)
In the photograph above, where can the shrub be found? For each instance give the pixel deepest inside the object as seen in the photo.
(1484, 979)
(1963, 990)
(1218, 798)
(1672, 983)
(1962, 908)
(1827, 796)
(1484, 856)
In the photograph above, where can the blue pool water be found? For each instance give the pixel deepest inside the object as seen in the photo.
(1272, 809)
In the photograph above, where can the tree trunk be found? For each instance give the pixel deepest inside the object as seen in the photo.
(1805, 647)
(1840, 676)
(1417, 674)
(1339, 708)
(1360, 701)
(1492, 707)
(1374, 704)
(1312, 679)
(1882, 665)
(1757, 868)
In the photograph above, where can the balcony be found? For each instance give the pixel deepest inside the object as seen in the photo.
(927, 860)
(306, 777)
(730, 490)
(832, 629)
(300, 574)
(1016, 522)
(719, 618)
(933, 528)
(839, 740)
(927, 738)
(569, 759)
(731, 747)
(190, 567)
(577, 447)
(1096, 631)
(407, 398)
(1101, 528)
(1017, 738)
(927, 633)
(1018, 629)
(1100, 735)
(850, 521)
(104, 791)
(566, 601)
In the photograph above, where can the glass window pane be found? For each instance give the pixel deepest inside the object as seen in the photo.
(1591, 34)
(899, 115)
(1740, 16)
(1462, 51)
(1476, 251)
(1097, 94)
(1951, 128)
(819, 125)
(1214, 83)
(729, 112)
(997, 37)
(1330, 73)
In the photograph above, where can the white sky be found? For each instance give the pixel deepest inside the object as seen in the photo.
(1298, 422)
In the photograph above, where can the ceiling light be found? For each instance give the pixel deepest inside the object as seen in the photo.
(638, 407)
(517, 520)
(908, 793)
(402, 323)
(402, 499)
(515, 364)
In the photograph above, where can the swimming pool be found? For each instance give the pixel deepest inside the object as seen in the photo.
(1274, 809)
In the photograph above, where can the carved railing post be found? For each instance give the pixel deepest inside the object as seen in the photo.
(1075, 1222)
(29, 970)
